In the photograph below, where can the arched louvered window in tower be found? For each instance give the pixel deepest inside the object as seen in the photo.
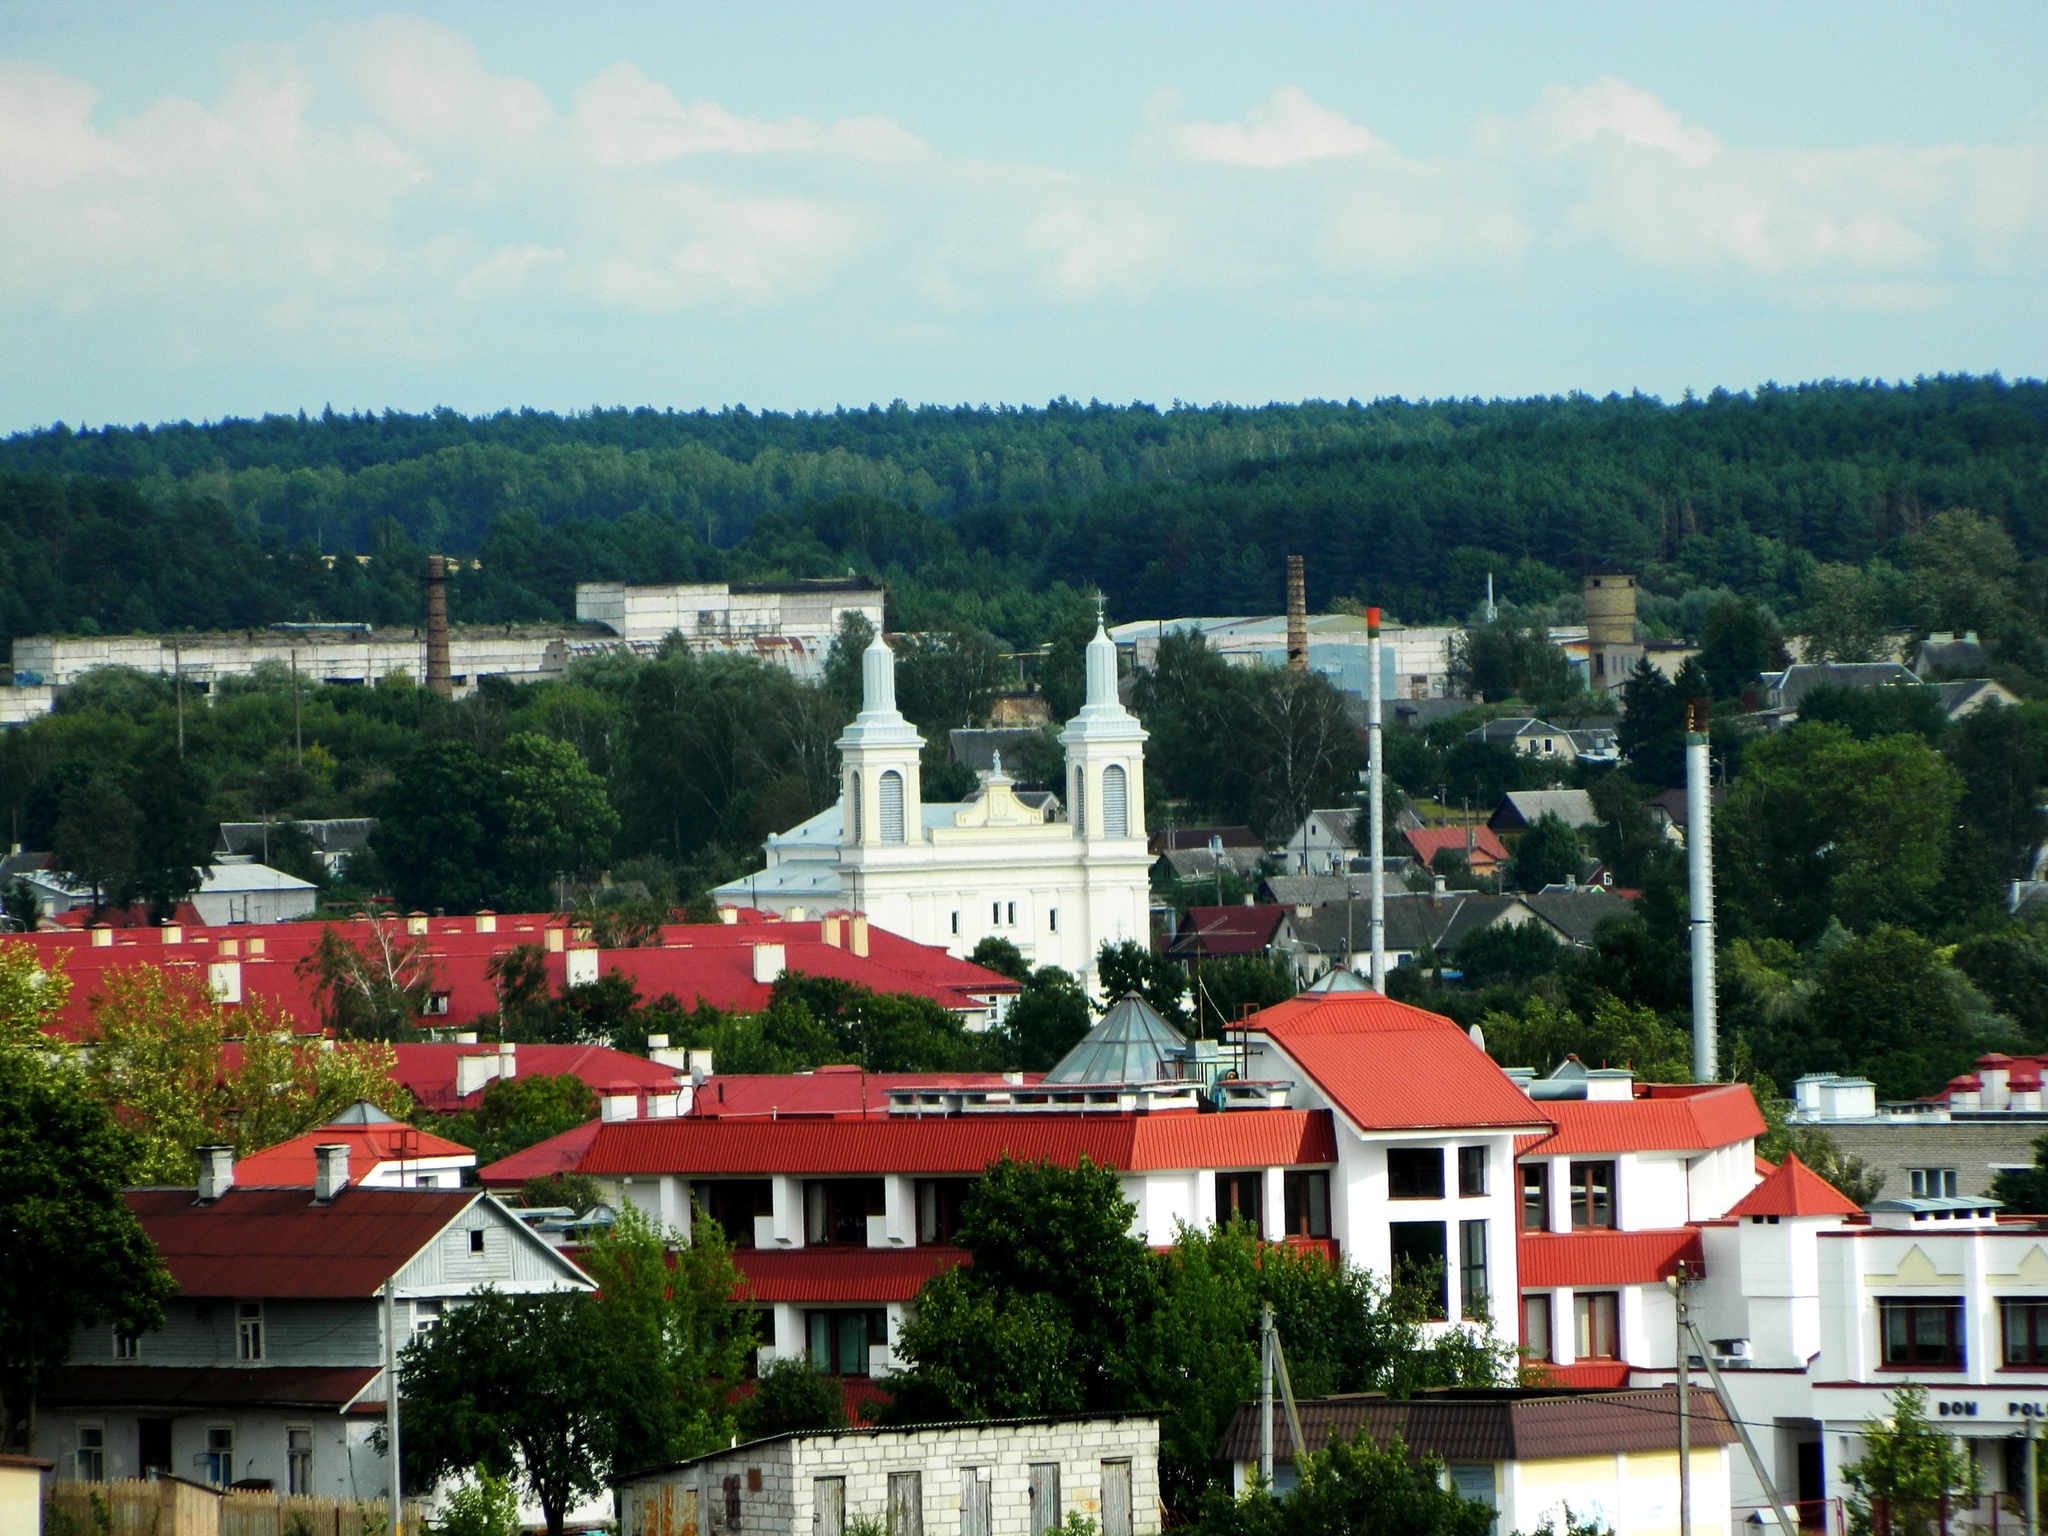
(855, 832)
(1116, 802)
(1080, 808)
(890, 803)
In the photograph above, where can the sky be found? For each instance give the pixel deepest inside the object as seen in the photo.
(225, 208)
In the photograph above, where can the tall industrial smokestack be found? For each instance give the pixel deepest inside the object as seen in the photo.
(1297, 616)
(440, 675)
(1375, 801)
(1699, 849)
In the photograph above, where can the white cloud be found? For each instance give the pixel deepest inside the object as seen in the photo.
(1287, 129)
(628, 121)
(426, 81)
(1611, 110)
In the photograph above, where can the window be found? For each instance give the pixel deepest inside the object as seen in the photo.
(1471, 1172)
(436, 1005)
(939, 1202)
(1307, 1198)
(1475, 1296)
(1922, 1332)
(1597, 1315)
(842, 1481)
(839, 1341)
(1240, 1195)
(1932, 1183)
(2025, 1326)
(476, 1240)
(1415, 1173)
(1592, 1195)
(1080, 803)
(1535, 1197)
(995, 914)
(426, 1316)
(837, 1210)
(856, 831)
(127, 1346)
(1052, 919)
(1010, 914)
(1418, 1252)
(890, 803)
(90, 1459)
(1536, 1326)
(1116, 802)
(218, 1461)
(733, 1204)
(298, 1461)
(249, 1330)
(906, 1504)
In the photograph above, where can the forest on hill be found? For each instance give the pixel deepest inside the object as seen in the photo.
(995, 519)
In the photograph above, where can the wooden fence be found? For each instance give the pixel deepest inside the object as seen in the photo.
(170, 1506)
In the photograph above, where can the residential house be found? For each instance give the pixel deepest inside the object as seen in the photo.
(1963, 698)
(1574, 914)
(1531, 738)
(1955, 1143)
(336, 838)
(235, 889)
(1783, 690)
(1945, 654)
(1596, 745)
(383, 1153)
(1521, 809)
(1324, 843)
(1339, 934)
(1482, 851)
(1189, 853)
(1247, 931)
(1316, 890)
(450, 1077)
(269, 1367)
(1008, 1477)
(1671, 810)
(1540, 1458)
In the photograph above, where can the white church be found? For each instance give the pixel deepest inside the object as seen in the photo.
(1056, 885)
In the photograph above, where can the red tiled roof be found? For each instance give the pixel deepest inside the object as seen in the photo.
(846, 1275)
(1684, 1119)
(292, 1162)
(206, 1386)
(1793, 1189)
(558, 1154)
(1580, 1259)
(1388, 1066)
(1252, 1138)
(277, 1243)
(1764, 1166)
(1429, 841)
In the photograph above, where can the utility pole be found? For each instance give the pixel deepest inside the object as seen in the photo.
(391, 1404)
(1272, 1363)
(178, 690)
(1376, 801)
(2030, 1482)
(1756, 1461)
(298, 737)
(1676, 1285)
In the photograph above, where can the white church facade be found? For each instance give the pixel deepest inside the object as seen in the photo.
(996, 865)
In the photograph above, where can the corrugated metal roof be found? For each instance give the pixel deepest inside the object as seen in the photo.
(1392, 1067)
(842, 1275)
(1253, 1138)
(1793, 1189)
(558, 1154)
(1680, 1119)
(277, 1243)
(292, 1162)
(1577, 1259)
(1507, 1424)
(200, 1387)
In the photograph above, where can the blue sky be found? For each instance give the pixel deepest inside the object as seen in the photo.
(231, 208)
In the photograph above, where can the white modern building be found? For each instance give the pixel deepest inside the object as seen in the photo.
(995, 865)
(1414, 661)
(790, 623)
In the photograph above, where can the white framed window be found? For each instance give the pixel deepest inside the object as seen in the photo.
(217, 1461)
(249, 1330)
(127, 1346)
(298, 1460)
(89, 1461)
(425, 1315)
(1932, 1183)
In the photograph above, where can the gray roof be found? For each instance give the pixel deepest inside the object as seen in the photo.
(1200, 864)
(333, 834)
(1521, 808)
(1957, 695)
(1575, 914)
(1800, 679)
(1413, 922)
(1950, 656)
(1338, 978)
(1317, 890)
(1508, 727)
(1132, 1044)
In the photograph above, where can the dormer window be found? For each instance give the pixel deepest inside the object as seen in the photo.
(249, 1331)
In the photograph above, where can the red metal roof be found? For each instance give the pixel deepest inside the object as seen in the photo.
(829, 1090)
(277, 1243)
(1693, 1120)
(558, 1154)
(1251, 1138)
(1793, 1189)
(1583, 1259)
(428, 1070)
(841, 1275)
(1429, 841)
(1594, 1373)
(1388, 1066)
(292, 1162)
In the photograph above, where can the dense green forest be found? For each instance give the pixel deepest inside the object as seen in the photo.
(975, 516)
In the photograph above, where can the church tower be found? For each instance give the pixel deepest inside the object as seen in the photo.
(1105, 748)
(878, 755)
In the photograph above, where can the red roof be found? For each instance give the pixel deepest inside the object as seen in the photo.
(1251, 1138)
(1581, 1259)
(428, 1070)
(558, 1154)
(1793, 1189)
(1223, 931)
(870, 1275)
(828, 1090)
(1429, 841)
(1389, 1066)
(277, 1243)
(292, 1163)
(1668, 1118)
(1587, 1373)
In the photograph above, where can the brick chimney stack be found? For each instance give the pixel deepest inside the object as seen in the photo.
(1297, 615)
(440, 676)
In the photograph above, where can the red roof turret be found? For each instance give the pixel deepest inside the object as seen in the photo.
(1794, 1190)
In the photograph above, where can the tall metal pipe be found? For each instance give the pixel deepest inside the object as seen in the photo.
(440, 675)
(1375, 794)
(1297, 615)
(1699, 852)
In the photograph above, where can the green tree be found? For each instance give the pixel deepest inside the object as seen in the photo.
(375, 989)
(1738, 640)
(1226, 988)
(1002, 957)
(792, 1395)
(1908, 1471)
(1548, 854)
(1820, 824)
(1046, 1019)
(1128, 966)
(518, 1112)
(1652, 730)
(1845, 614)
(479, 1505)
(1510, 658)
(95, 839)
(1889, 1005)
(555, 816)
(2000, 754)
(2025, 1190)
(2010, 967)
(1517, 953)
(1617, 1034)
(1897, 709)
(76, 1256)
(438, 835)
(1351, 1486)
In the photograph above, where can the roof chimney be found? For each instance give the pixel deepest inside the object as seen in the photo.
(828, 931)
(330, 1170)
(1297, 615)
(857, 935)
(216, 1172)
(508, 1061)
(440, 676)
